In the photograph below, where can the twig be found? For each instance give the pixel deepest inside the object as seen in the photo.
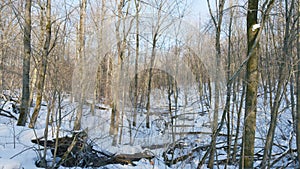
(282, 155)
(21, 152)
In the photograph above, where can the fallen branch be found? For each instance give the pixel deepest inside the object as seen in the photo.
(9, 115)
(282, 155)
(66, 154)
(170, 162)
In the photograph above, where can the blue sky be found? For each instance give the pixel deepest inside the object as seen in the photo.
(200, 7)
(198, 12)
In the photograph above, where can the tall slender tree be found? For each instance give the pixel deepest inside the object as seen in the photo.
(24, 111)
(254, 30)
(80, 52)
(121, 44)
(217, 21)
(298, 89)
(43, 65)
(251, 89)
(137, 8)
(2, 51)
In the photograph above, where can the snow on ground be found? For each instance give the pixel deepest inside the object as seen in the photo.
(17, 151)
(9, 164)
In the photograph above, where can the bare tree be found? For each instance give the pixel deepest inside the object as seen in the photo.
(298, 88)
(217, 21)
(121, 45)
(251, 90)
(162, 23)
(254, 30)
(137, 9)
(80, 52)
(43, 65)
(229, 85)
(2, 52)
(24, 111)
(102, 84)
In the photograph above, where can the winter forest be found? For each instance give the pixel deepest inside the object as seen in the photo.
(149, 84)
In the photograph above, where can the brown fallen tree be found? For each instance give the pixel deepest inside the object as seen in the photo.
(75, 151)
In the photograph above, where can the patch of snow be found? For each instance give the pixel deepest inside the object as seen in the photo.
(126, 149)
(9, 164)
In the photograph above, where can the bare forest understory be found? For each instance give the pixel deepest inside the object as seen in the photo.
(149, 84)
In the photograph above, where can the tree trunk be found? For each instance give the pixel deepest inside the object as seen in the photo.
(2, 54)
(154, 41)
(99, 75)
(239, 112)
(33, 84)
(108, 80)
(81, 48)
(43, 67)
(251, 89)
(137, 8)
(115, 114)
(228, 90)
(24, 112)
(217, 23)
(298, 89)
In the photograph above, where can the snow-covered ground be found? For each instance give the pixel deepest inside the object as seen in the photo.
(191, 129)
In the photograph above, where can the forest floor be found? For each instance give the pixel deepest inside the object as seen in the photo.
(179, 145)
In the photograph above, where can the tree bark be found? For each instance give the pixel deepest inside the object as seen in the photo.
(43, 66)
(24, 112)
(298, 89)
(115, 114)
(251, 89)
(2, 54)
(81, 48)
(33, 83)
(154, 41)
(137, 8)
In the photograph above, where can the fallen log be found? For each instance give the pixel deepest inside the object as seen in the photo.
(130, 158)
(77, 152)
